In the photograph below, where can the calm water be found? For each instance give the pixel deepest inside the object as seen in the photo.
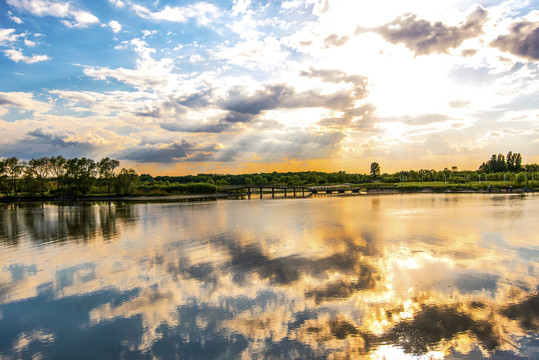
(395, 277)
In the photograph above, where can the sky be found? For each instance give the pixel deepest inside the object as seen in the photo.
(244, 86)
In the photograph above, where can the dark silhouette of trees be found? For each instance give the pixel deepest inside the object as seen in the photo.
(375, 169)
(105, 169)
(126, 181)
(80, 175)
(40, 169)
(58, 169)
(500, 163)
(13, 169)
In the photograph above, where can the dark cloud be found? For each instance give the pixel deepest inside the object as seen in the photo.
(434, 324)
(54, 139)
(335, 40)
(468, 52)
(6, 101)
(359, 118)
(217, 127)
(286, 97)
(336, 76)
(526, 312)
(40, 142)
(174, 106)
(176, 152)
(522, 40)
(424, 37)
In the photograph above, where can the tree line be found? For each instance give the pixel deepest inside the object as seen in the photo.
(59, 176)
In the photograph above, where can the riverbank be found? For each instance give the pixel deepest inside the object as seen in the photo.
(221, 195)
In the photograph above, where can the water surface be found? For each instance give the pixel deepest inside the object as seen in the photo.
(396, 277)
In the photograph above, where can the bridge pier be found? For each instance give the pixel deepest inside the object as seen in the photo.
(273, 193)
(285, 191)
(294, 191)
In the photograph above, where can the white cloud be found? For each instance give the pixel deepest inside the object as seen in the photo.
(63, 10)
(199, 11)
(253, 54)
(117, 3)
(17, 55)
(29, 43)
(115, 26)
(240, 6)
(16, 19)
(23, 100)
(7, 36)
(286, 5)
(146, 33)
(148, 73)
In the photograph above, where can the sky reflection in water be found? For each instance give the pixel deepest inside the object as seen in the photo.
(413, 276)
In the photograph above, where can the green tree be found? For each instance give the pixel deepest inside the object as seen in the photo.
(13, 169)
(58, 170)
(40, 170)
(4, 181)
(80, 175)
(375, 169)
(520, 178)
(105, 169)
(126, 181)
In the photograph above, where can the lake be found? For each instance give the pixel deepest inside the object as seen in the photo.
(415, 276)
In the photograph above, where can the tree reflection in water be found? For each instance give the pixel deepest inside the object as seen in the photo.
(323, 278)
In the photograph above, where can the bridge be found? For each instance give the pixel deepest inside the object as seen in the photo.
(293, 190)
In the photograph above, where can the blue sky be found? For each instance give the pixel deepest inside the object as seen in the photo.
(246, 86)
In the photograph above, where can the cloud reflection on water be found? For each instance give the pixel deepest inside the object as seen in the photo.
(334, 277)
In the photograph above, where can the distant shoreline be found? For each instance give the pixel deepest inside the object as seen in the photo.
(194, 197)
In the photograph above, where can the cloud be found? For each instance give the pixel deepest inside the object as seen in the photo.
(117, 3)
(335, 40)
(277, 146)
(16, 19)
(217, 127)
(23, 101)
(148, 73)
(423, 37)
(420, 120)
(176, 152)
(436, 144)
(55, 139)
(522, 40)
(335, 76)
(40, 142)
(115, 26)
(286, 97)
(200, 11)
(18, 56)
(7, 36)
(63, 10)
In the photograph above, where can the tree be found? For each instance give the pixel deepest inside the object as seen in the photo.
(375, 169)
(514, 161)
(4, 181)
(13, 168)
(105, 169)
(40, 168)
(80, 175)
(57, 168)
(126, 181)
